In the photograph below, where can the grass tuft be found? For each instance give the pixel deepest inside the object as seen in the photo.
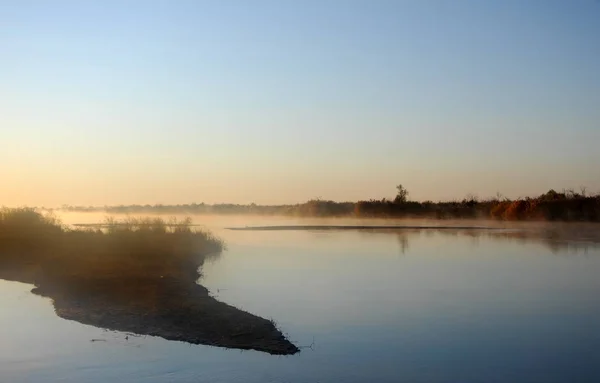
(146, 248)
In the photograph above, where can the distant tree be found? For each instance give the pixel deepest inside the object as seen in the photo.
(402, 195)
(500, 197)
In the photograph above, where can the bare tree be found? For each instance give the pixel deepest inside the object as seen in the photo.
(402, 195)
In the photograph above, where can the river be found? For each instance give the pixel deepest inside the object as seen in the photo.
(364, 305)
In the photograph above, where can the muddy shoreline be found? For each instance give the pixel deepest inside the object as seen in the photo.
(171, 310)
(137, 275)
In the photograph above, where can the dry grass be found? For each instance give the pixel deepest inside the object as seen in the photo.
(134, 247)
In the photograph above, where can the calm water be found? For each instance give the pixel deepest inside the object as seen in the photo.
(410, 306)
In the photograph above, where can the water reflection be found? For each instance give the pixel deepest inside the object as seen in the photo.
(436, 305)
(557, 243)
(403, 242)
(458, 305)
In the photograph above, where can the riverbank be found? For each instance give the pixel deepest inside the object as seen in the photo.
(136, 275)
(566, 206)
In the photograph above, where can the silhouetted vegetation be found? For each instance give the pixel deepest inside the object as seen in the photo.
(551, 206)
(137, 275)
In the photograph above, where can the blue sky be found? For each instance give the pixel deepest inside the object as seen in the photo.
(115, 102)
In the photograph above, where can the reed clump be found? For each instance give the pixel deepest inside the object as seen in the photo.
(149, 248)
(136, 275)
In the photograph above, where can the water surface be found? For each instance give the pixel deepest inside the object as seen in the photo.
(374, 306)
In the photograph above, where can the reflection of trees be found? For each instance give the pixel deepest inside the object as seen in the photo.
(403, 241)
(558, 241)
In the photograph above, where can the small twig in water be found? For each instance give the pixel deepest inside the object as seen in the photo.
(97, 340)
(311, 346)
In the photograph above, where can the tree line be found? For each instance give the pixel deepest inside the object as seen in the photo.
(567, 205)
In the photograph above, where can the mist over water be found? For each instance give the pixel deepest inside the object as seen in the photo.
(196, 158)
(385, 305)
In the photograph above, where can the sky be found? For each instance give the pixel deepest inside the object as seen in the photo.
(121, 102)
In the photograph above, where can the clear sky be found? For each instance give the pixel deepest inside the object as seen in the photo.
(119, 102)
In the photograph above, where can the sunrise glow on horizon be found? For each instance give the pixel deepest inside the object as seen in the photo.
(272, 102)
